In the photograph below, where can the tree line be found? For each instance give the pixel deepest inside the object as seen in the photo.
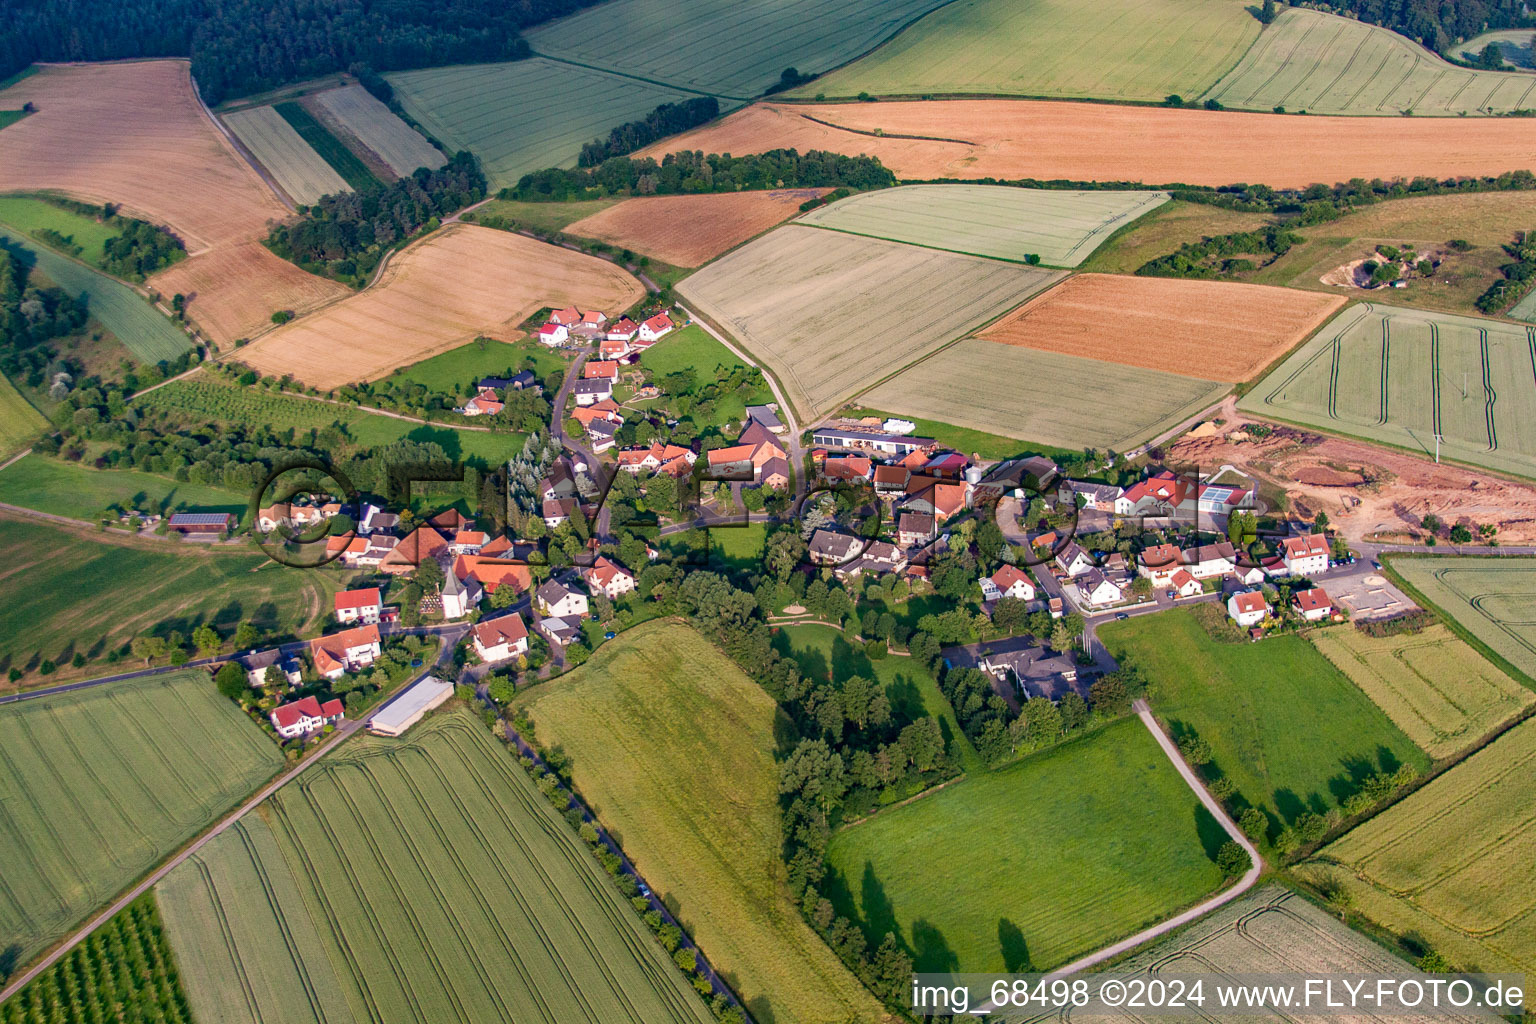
(691, 171)
(344, 236)
(1437, 24)
(240, 47)
(666, 119)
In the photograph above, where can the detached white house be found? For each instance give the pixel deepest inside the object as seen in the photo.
(1248, 608)
(359, 606)
(1010, 581)
(554, 335)
(556, 600)
(1184, 585)
(1074, 561)
(656, 327)
(1313, 605)
(1305, 556)
(344, 652)
(1099, 590)
(501, 638)
(305, 716)
(608, 578)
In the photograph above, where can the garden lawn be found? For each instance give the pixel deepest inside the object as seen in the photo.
(102, 783)
(1289, 729)
(51, 607)
(693, 348)
(70, 489)
(825, 653)
(739, 549)
(673, 748)
(1029, 867)
(486, 357)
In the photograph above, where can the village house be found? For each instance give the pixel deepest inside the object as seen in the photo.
(601, 369)
(420, 544)
(942, 499)
(591, 391)
(486, 403)
(829, 547)
(554, 335)
(608, 410)
(358, 606)
(347, 651)
(656, 328)
(1184, 585)
(1159, 495)
(1035, 670)
(914, 528)
(559, 631)
(271, 517)
(1210, 560)
(774, 474)
(1098, 589)
(304, 716)
(468, 542)
(1020, 478)
(558, 600)
(1160, 563)
(555, 511)
(1008, 581)
(490, 574)
(623, 330)
(1306, 555)
(869, 440)
(891, 481)
(1073, 560)
(879, 559)
(603, 435)
(613, 348)
(649, 460)
(1094, 497)
(258, 663)
(609, 578)
(743, 461)
(364, 552)
(500, 639)
(376, 520)
(852, 467)
(1313, 605)
(570, 316)
(1247, 608)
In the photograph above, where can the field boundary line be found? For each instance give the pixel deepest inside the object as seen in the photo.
(889, 135)
(743, 100)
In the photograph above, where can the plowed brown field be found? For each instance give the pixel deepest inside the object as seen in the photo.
(687, 231)
(1099, 142)
(134, 134)
(1213, 330)
(461, 282)
(232, 292)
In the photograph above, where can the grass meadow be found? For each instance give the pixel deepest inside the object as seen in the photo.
(149, 335)
(1514, 46)
(331, 149)
(438, 883)
(1048, 398)
(48, 612)
(529, 114)
(1164, 230)
(1433, 686)
(693, 348)
(296, 166)
(396, 143)
(1111, 50)
(102, 783)
(1290, 730)
(721, 47)
(543, 217)
(1488, 600)
(27, 214)
(1451, 862)
(1401, 376)
(674, 750)
(485, 357)
(1043, 861)
(20, 423)
(1062, 228)
(813, 305)
(1324, 64)
(79, 492)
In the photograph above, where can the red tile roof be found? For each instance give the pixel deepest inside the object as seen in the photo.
(604, 572)
(1313, 600)
(659, 322)
(1249, 602)
(366, 598)
(1007, 576)
(1301, 547)
(606, 369)
(289, 715)
(504, 629)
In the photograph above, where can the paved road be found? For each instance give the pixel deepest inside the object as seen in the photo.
(346, 730)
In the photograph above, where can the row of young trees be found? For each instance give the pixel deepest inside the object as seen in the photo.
(693, 172)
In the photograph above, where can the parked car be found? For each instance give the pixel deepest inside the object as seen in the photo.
(1122, 616)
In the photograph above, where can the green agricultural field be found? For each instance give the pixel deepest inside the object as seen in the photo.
(1493, 600)
(1289, 729)
(380, 129)
(115, 973)
(529, 114)
(814, 306)
(20, 423)
(449, 372)
(157, 586)
(1431, 684)
(1325, 64)
(10, 117)
(197, 400)
(1062, 228)
(825, 654)
(673, 748)
(722, 47)
(342, 160)
(1051, 399)
(300, 171)
(1111, 49)
(102, 783)
(149, 335)
(1514, 47)
(541, 217)
(439, 885)
(79, 492)
(1401, 376)
(1451, 862)
(1042, 861)
(26, 214)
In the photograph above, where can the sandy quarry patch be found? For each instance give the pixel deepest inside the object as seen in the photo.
(458, 283)
(133, 133)
(1214, 330)
(687, 231)
(232, 292)
(1100, 142)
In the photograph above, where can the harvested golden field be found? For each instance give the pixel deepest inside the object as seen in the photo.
(233, 292)
(1213, 330)
(456, 284)
(134, 134)
(1097, 142)
(687, 231)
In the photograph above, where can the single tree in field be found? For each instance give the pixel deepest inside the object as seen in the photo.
(1232, 859)
(230, 680)
(1267, 12)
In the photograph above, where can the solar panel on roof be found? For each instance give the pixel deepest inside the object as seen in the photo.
(199, 518)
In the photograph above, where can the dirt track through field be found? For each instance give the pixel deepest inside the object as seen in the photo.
(687, 231)
(1097, 142)
(458, 283)
(1214, 330)
(233, 292)
(134, 133)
